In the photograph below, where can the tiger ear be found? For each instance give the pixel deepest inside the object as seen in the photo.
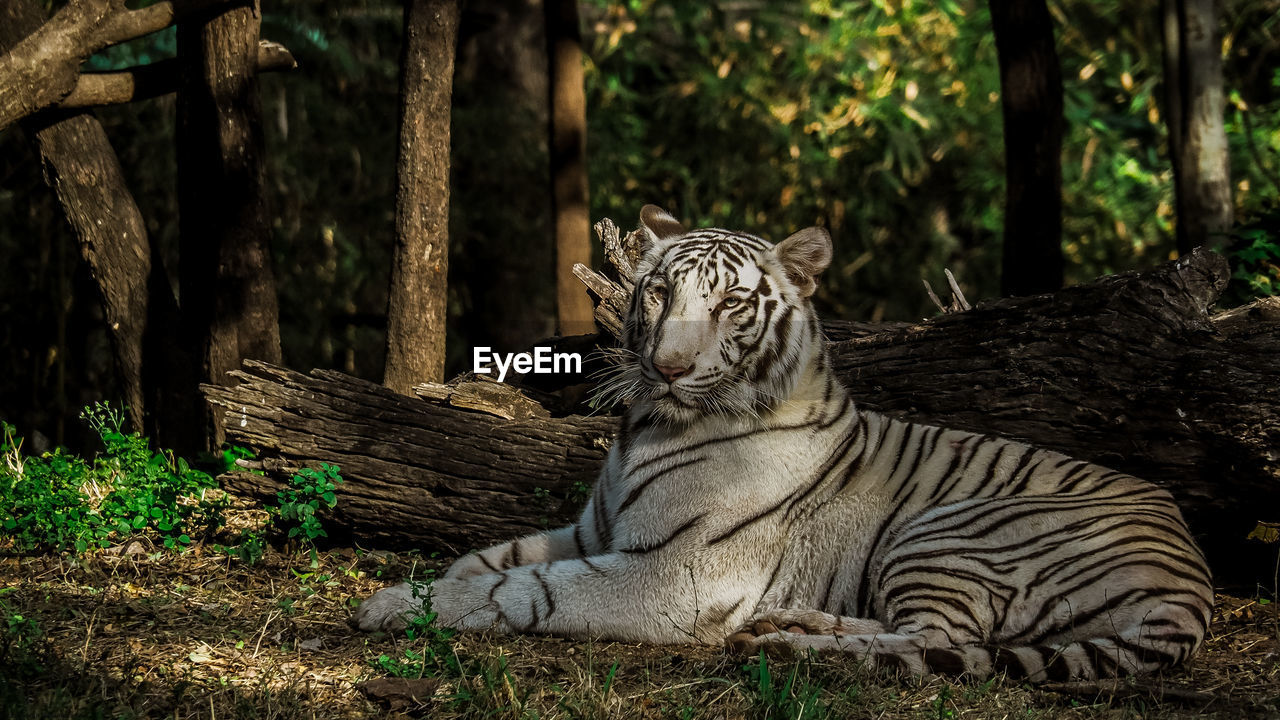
(658, 224)
(804, 255)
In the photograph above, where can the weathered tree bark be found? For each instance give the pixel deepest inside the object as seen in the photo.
(568, 144)
(417, 307)
(83, 170)
(1031, 101)
(1194, 104)
(44, 68)
(228, 293)
(1130, 371)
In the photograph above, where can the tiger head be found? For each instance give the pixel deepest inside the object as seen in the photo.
(720, 322)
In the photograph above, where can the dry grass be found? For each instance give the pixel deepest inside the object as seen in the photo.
(198, 635)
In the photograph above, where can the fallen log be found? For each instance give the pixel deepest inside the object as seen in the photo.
(1131, 371)
(418, 473)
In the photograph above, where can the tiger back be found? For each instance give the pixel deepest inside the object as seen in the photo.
(747, 500)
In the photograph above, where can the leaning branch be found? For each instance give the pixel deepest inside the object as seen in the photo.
(155, 79)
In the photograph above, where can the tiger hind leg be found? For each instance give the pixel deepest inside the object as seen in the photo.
(780, 624)
(915, 654)
(904, 653)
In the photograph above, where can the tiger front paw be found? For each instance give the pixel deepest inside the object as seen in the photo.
(388, 609)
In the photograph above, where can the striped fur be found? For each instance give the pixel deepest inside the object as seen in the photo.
(749, 500)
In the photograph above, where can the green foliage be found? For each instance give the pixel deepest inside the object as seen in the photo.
(42, 501)
(939, 709)
(21, 649)
(429, 653)
(872, 119)
(232, 453)
(795, 698)
(149, 490)
(248, 547)
(62, 502)
(579, 494)
(309, 492)
(1254, 252)
(883, 122)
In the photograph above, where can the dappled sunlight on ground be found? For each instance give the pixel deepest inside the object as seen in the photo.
(136, 632)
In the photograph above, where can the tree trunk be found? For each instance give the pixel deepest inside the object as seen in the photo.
(138, 303)
(506, 280)
(568, 143)
(417, 307)
(1194, 104)
(1130, 371)
(169, 372)
(228, 296)
(84, 172)
(1031, 101)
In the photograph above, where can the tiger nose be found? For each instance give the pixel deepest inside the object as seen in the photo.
(671, 373)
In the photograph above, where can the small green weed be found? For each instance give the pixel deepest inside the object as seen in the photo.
(248, 547)
(794, 699)
(309, 494)
(491, 689)
(230, 454)
(572, 504)
(579, 494)
(20, 643)
(309, 491)
(430, 653)
(939, 707)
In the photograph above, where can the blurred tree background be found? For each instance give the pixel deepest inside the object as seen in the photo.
(878, 119)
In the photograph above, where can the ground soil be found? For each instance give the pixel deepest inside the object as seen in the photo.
(139, 632)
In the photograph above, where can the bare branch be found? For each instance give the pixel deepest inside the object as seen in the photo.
(155, 79)
(933, 295)
(957, 296)
(125, 25)
(44, 68)
(958, 301)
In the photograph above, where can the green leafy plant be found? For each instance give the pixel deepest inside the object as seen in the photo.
(1254, 253)
(579, 494)
(231, 453)
(309, 492)
(20, 642)
(248, 547)
(44, 503)
(430, 652)
(939, 707)
(59, 501)
(150, 489)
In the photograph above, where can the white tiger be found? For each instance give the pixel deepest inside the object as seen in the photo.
(747, 499)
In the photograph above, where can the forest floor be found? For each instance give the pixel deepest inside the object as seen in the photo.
(138, 632)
